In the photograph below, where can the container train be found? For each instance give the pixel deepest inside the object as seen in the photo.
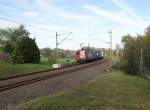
(87, 55)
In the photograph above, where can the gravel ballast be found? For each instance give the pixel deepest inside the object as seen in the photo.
(50, 86)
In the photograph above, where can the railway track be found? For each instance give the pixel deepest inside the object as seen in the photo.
(37, 72)
(21, 80)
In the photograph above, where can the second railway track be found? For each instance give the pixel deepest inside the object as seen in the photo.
(15, 82)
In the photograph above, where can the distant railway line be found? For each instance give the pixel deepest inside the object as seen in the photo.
(21, 80)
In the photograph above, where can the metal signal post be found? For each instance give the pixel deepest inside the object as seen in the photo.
(110, 32)
(56, 40)
(58, 43)
(110, 42)
(111, 54)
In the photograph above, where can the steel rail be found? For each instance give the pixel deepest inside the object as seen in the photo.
(37, 72)
(33, 80)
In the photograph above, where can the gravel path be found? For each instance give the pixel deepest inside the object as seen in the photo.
(50, 86)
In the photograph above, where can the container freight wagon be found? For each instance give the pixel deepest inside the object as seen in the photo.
(83, 56)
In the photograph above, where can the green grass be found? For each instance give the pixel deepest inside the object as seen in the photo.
(116, 91)
(64, 61)
(1, 49)
(7, 69)
(44, 61)
(16, 69)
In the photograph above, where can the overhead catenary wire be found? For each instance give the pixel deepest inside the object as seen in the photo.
(34, 26)
(30, 25)
(43, 28)
(91, 35)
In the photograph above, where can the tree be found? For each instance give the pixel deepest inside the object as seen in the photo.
(26, 51)
(9, 36)
(131, 54)
(146, 47)
(147, 31)
(16, 41)
(133, 46)
(46, 52)
(17, 55)
(9, 47)
(5, 35)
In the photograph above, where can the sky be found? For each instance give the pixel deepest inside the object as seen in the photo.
(85, 22)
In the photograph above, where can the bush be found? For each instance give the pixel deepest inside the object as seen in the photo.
(26, 51)
(8, 47)
(128, 65)
(131, 54)
(17, 56)
(1, 48)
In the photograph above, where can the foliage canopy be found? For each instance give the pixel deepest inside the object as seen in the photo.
(133, 51)
(16, 41)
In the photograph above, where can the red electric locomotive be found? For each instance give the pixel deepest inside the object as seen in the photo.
(86, 55)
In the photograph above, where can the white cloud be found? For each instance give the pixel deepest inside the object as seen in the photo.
(129, 21)
(77, 17)
(88, 20)
(121, 16)
(126, 8)
(129, 10)
(7, 24)
(22, 1)
(53, 10)
(30, 14)
(47, 6)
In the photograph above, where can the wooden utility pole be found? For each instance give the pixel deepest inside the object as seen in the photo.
(141, 60)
